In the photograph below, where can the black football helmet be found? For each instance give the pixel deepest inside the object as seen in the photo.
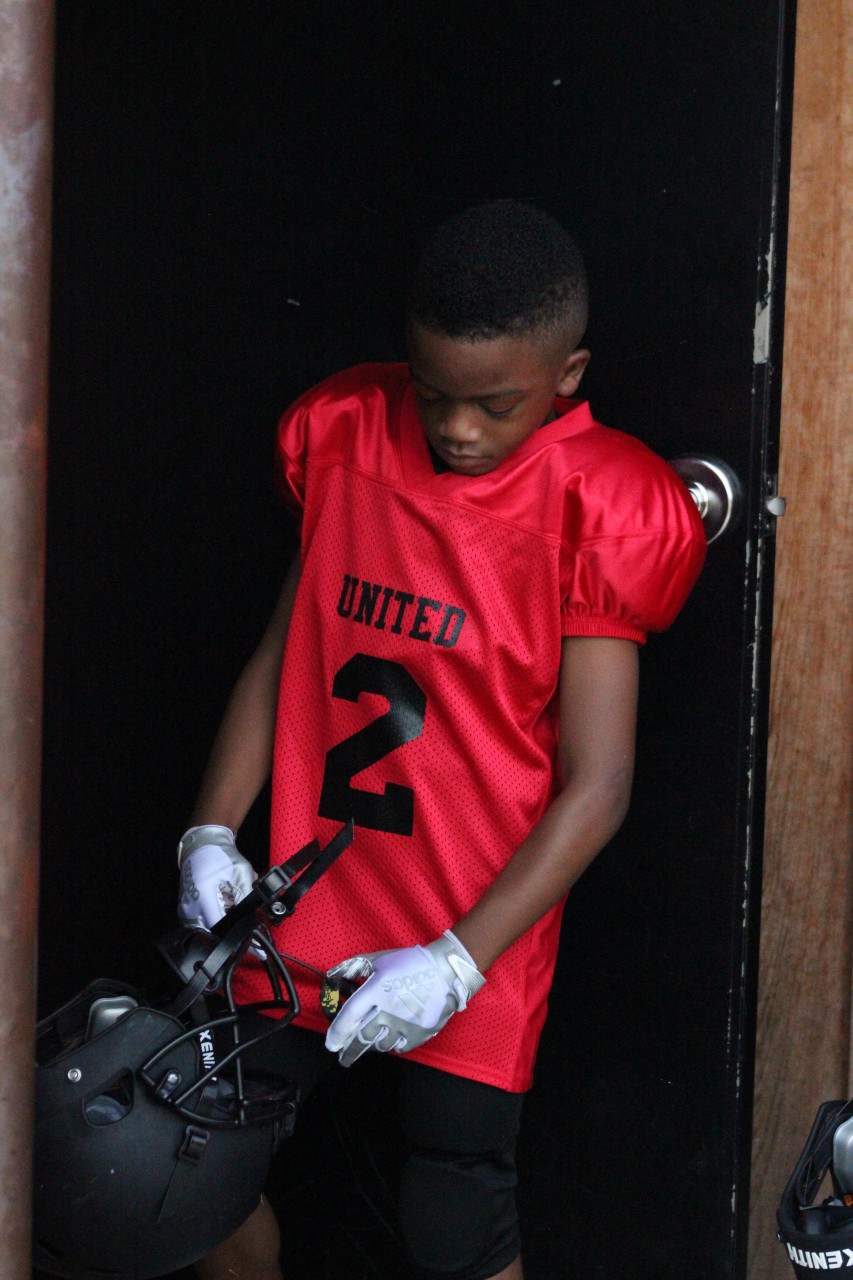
(818, 1231)
(152, 1140)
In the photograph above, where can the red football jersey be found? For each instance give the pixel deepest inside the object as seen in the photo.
(418, 690)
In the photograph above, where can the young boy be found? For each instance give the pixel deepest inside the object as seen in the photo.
(453, 660)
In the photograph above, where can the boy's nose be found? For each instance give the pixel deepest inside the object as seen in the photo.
(460, 424)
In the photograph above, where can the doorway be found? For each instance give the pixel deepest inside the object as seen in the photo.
(238, 193)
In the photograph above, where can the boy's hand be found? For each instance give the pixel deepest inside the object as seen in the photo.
(214, 875)
(408, 996)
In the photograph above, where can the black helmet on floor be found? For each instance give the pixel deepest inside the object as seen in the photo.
(815, 1217)
(152, 1141)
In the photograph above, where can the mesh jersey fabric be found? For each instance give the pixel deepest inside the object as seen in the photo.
(419, 682)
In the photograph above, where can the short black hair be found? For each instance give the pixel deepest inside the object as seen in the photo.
(502, 269)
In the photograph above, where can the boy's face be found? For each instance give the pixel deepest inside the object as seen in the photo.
(478, 401)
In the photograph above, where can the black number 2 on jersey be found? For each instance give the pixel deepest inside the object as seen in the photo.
(393, 809)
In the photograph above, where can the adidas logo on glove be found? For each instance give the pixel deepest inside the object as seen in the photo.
(423, 978)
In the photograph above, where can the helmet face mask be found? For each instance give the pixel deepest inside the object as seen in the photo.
(153, 1137)
(815, 1216)
(220, 1094)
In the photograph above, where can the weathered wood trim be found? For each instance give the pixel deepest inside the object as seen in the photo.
(803, 1051)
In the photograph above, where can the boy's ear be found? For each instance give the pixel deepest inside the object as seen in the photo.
(572, 372)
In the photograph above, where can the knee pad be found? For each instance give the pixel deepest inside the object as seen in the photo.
(458, 1214)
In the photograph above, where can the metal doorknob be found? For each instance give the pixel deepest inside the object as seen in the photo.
(714, 488)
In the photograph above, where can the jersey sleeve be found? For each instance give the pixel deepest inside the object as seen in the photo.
(637, 550)
(292, 453)
(343, 418)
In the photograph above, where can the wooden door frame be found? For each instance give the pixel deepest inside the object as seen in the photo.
(803, 1040)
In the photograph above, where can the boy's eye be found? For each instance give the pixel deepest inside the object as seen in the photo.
(498, 413)
(426, 397)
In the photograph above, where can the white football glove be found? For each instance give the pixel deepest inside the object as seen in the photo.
(214, 875)
(409, 995)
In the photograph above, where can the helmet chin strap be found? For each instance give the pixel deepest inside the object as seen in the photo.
(273, 897)
(207, 960)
